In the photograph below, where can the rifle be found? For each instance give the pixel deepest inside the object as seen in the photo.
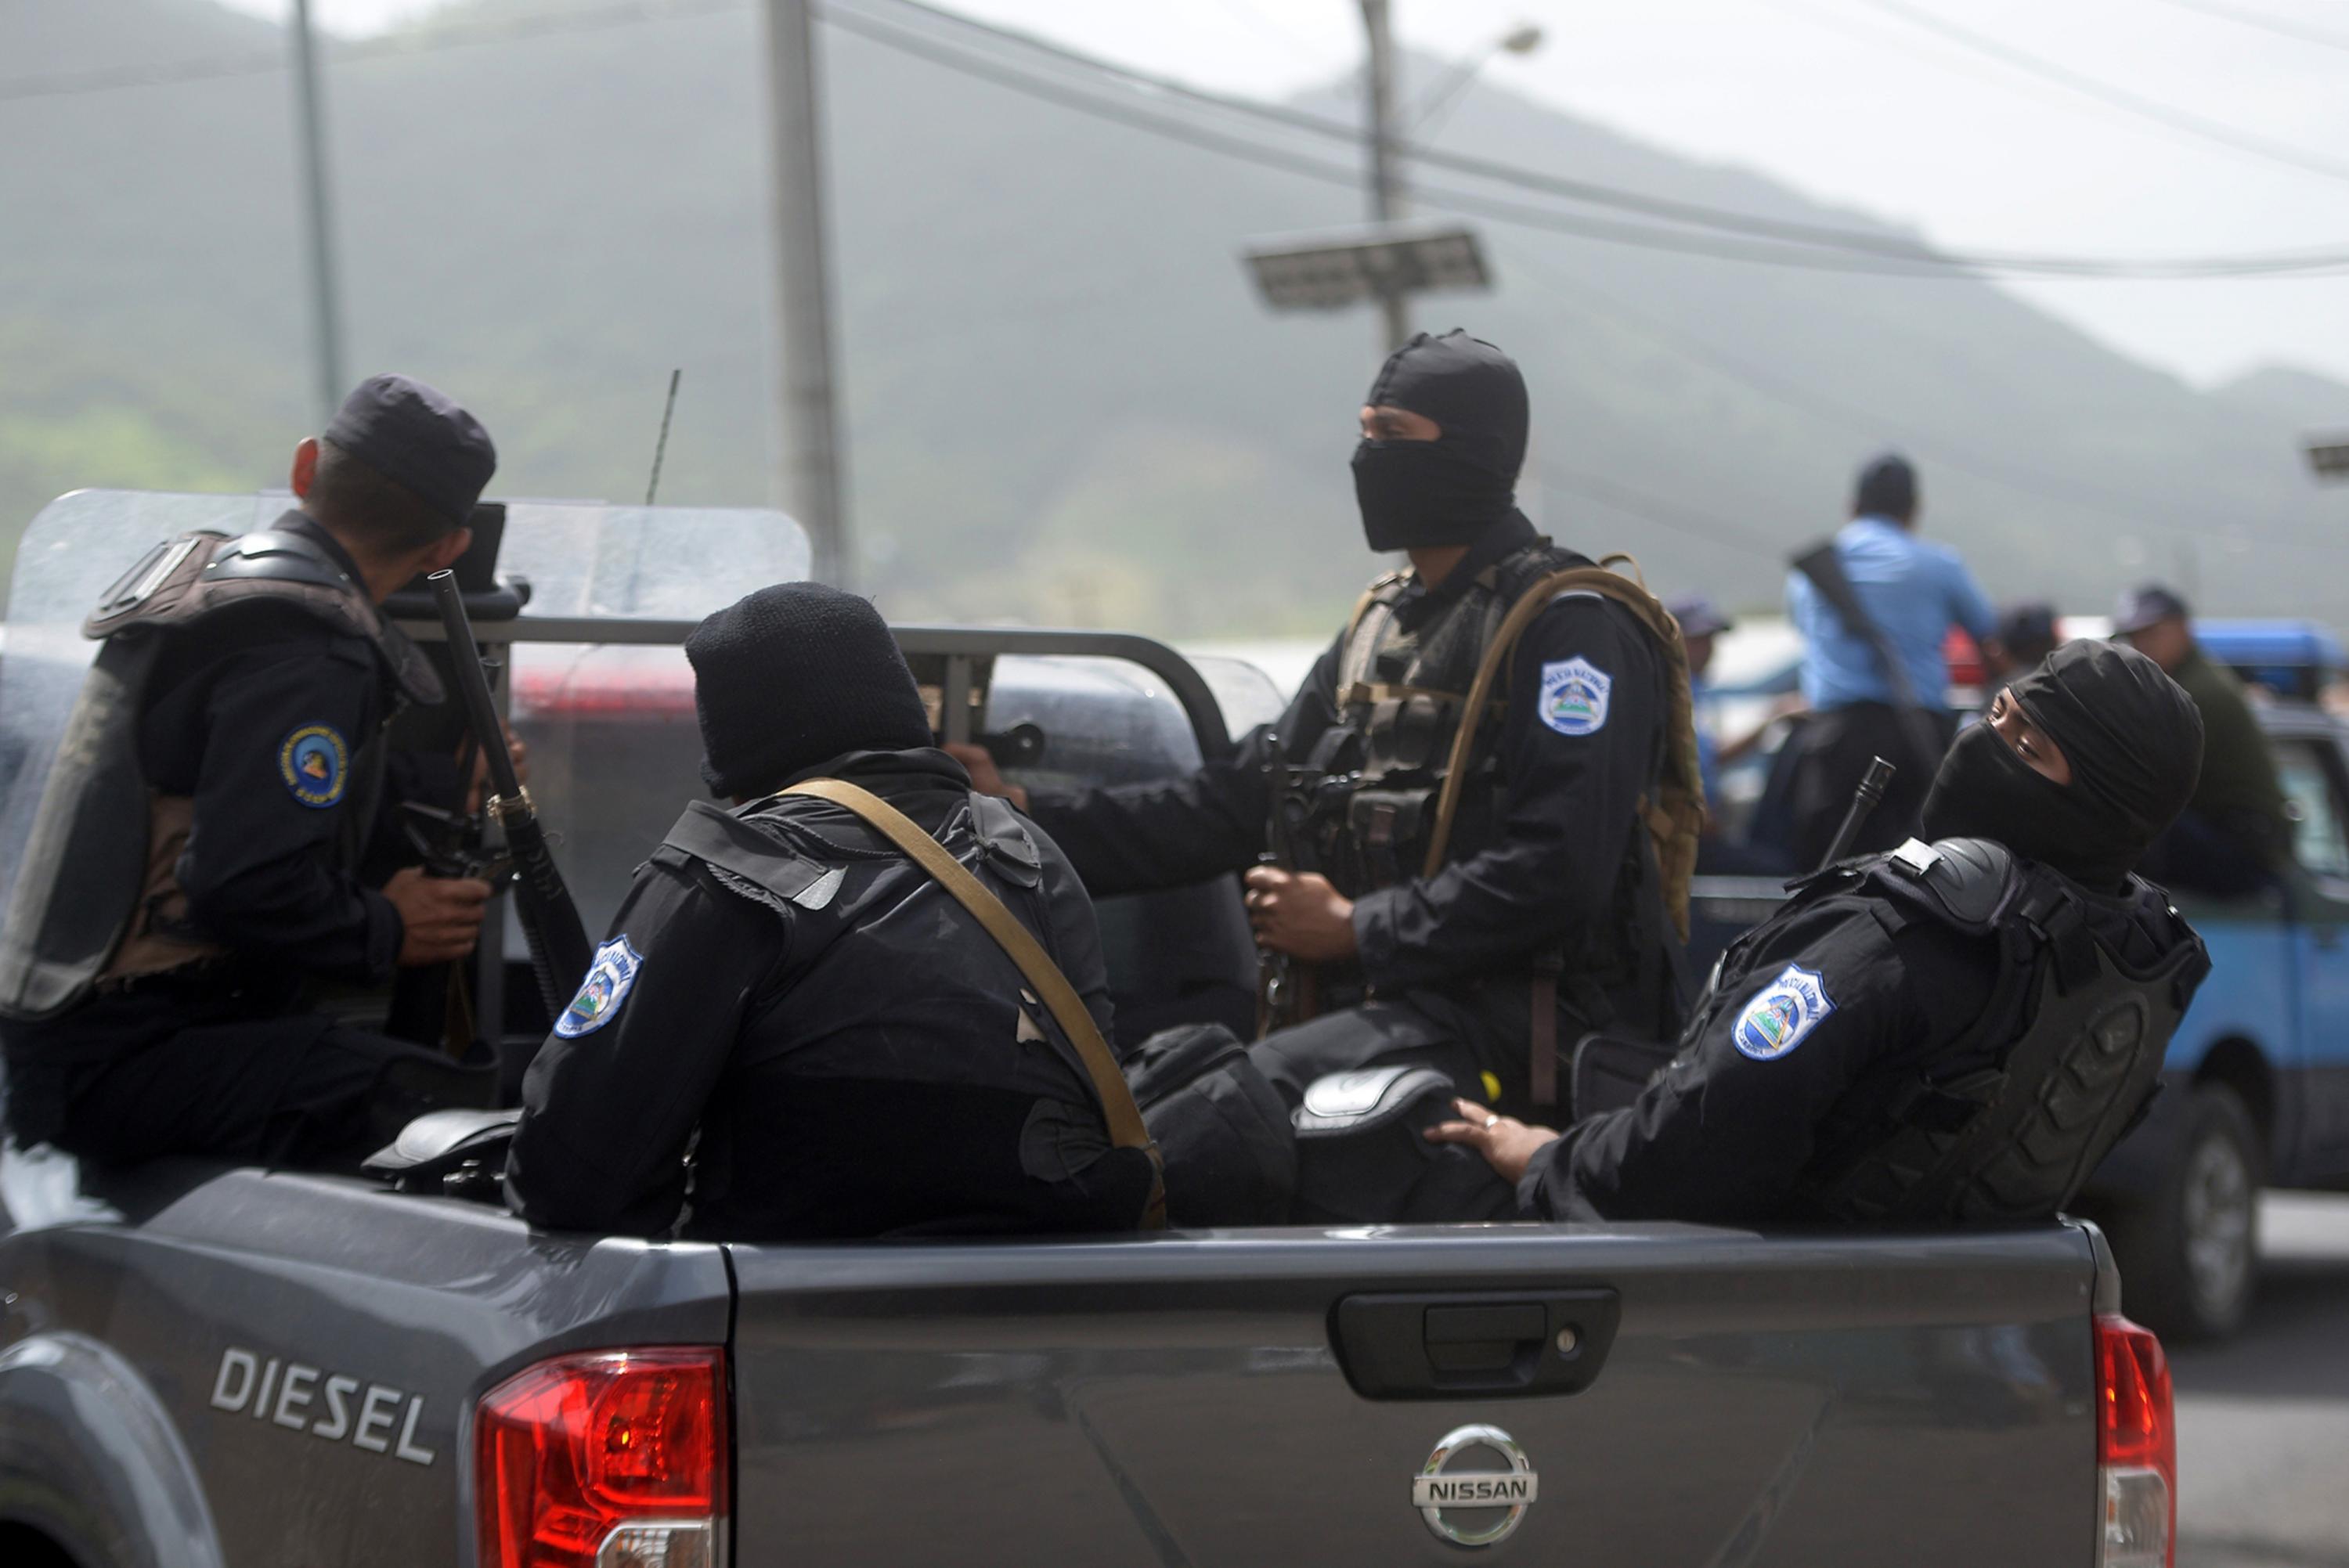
(1287, 991)
(1824, 567)
(1863, 801)
(559, 952)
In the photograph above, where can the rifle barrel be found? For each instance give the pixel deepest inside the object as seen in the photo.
(559, 949)
(1863, 802)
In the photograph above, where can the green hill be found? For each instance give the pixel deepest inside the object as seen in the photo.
(1064, 403)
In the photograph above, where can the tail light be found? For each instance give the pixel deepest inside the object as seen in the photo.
(615, 1460)
(2136, 1447)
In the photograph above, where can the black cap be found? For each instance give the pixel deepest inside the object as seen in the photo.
(1886, 488)
(2146, 604)
(1699, 616)
(419, 439)
(2027, 626)
(794, 675)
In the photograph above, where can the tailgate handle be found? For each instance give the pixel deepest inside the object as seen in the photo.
(1450, 1344)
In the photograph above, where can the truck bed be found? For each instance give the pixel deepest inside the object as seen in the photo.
(1261, 1396)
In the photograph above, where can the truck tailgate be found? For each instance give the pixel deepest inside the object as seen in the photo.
(1194, 1398)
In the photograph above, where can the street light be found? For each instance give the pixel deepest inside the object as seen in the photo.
(1389, 261)
(1522, 40)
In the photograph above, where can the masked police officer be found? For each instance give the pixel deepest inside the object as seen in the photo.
(1952, 1032)
(196, 865)
(784, 991)
(1541, 915)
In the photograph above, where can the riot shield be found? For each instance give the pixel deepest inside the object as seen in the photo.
(594, 566)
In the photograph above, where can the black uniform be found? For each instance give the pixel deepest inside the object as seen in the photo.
(1859, 1009)
(1543, 865)
(264, 716)
(855, 1054)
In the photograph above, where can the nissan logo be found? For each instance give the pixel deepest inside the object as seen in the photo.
(1475, 1507)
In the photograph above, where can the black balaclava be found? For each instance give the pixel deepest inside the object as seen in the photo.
(1428, 494)
(2135, 743)
(793, 676)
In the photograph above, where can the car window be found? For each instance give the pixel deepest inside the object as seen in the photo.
(2320, 839)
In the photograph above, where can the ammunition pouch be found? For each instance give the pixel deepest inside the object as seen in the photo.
(1384, 831)
(1222, 1129)
(1611, 1071)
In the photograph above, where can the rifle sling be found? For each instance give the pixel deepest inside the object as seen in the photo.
(1125, 1118)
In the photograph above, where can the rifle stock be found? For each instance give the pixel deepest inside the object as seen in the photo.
(559, 951)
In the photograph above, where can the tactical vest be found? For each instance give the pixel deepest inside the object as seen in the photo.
(2063, 1061)
(1418, 793)
(97, 899)
(1028, 1133)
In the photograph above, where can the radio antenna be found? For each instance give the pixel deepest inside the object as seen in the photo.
(660, 448)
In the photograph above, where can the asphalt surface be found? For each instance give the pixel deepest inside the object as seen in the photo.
(2264, 1420)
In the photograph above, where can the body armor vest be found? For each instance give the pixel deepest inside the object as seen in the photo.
(97, 899)
(862, 1019)
(2063, 1061)
(1402, 696)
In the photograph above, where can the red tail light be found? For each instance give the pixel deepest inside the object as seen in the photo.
(2136, 1447)
(615, 1460)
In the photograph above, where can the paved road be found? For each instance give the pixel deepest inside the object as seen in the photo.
(2263, 1422)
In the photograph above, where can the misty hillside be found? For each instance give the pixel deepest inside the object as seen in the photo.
(1064, 403)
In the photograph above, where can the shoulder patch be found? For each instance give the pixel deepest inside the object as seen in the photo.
(601, 994)
(1785, 1010)
(315, 764)
(1574, 694)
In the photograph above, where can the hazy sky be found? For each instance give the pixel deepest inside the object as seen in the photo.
(1851, 103)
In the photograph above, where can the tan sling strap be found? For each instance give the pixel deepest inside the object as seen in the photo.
(1673, 822)
(1125, 1118)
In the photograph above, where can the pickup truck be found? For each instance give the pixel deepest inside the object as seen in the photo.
(204, 1365)
(2256, 1084)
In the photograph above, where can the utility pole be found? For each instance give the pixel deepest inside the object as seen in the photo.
(1386, 172)
(325, 309)
(811, 462)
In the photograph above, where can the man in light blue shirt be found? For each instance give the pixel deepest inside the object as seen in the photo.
(1914, 592)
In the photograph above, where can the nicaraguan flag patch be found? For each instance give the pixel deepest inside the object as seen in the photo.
(1574, 696)
(1787, 1008)
(601, 994)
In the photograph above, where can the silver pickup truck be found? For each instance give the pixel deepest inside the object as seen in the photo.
(205, 1365)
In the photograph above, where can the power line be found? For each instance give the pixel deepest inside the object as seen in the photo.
(1787, 230)
(1251, 152)
(1909, 258)
(2280, 25)
(2175, 119)
(1786, 242)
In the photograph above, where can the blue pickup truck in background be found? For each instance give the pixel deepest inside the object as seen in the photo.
(2256, 1090)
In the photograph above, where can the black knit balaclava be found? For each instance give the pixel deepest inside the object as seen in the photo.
(1428, 494)
(2134, 740)
(794, 675)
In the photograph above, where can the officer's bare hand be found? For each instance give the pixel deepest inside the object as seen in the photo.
(985, 776)
(1508, 1144)
(440, 917)
(1299, 913)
